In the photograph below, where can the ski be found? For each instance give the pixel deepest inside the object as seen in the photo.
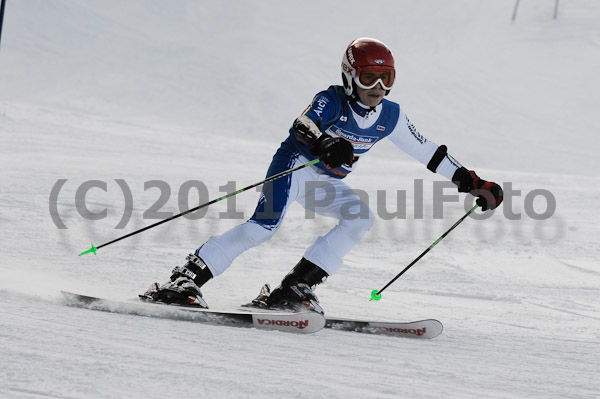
(416, 329)
(300, 322)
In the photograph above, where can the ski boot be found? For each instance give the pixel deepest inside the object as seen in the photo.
(183, 288)
(295, 294)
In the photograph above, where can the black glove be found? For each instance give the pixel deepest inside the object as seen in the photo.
(489, 194)
(333, 151)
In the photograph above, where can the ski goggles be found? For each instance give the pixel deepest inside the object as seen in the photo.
(367, 77)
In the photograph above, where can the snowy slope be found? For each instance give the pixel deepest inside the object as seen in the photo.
(187, 90)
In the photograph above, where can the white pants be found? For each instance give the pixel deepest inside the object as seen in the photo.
(314, 190)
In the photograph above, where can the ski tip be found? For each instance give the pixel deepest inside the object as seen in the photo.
(375, 296)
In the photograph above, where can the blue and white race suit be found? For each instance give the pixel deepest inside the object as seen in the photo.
(363, 127)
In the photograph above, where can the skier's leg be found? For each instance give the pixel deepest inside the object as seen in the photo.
(355, 220)
(326, 255)
(219, 252)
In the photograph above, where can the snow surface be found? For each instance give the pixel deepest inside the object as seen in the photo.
(189, 90)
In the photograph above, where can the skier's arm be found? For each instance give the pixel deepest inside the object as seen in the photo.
(320, 114)
(406, 137)
(306, 131)
(409, 140)
(333, 151)
(489, 194)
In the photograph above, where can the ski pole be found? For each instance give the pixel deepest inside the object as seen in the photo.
(2, 5)
(93, 249)
(376, 295)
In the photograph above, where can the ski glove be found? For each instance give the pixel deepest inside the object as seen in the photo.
(489, 194)
(333, 151)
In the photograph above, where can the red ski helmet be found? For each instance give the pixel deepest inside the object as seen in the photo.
(366, 63)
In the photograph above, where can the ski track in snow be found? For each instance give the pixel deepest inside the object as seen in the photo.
(134, 90)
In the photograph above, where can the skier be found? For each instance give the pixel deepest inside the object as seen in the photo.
(341, 124)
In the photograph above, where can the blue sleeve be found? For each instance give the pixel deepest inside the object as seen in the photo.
(326, 106)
